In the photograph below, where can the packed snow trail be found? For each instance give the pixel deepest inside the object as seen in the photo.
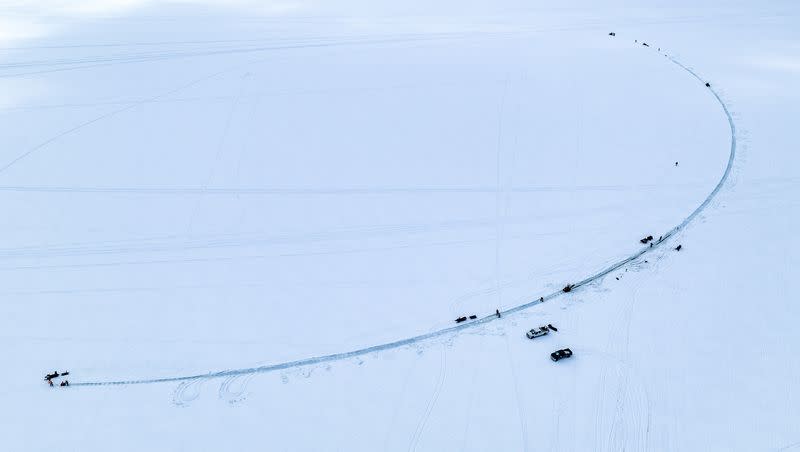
(462, 326)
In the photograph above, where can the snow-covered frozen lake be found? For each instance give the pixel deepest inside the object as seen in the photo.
(189, 187)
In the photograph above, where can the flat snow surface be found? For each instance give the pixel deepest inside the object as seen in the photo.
(189, 188)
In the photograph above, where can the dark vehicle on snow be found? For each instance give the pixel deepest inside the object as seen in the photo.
(561, 354)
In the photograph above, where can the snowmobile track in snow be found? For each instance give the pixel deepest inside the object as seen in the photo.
(462, 326)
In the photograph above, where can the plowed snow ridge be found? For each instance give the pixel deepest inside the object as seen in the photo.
(463, 326)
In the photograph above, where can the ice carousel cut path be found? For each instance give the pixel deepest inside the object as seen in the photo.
(481, 321)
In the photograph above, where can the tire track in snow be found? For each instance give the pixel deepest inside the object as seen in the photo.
(124, 108)
(332, 191)
(234, 396)
(521, 415)
(462, 326)
(187, 392)
(51, 66)
(415, 437)
(396, 408)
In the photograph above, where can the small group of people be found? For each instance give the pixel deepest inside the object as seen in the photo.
(49, 378)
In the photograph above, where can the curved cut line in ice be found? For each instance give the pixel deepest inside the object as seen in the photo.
(463, 326)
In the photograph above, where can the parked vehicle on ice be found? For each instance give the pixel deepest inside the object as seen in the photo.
(460, 319)
(561, 354)
(568, 288)
(537, 332)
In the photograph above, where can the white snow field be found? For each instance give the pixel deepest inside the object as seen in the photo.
(207, 206)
